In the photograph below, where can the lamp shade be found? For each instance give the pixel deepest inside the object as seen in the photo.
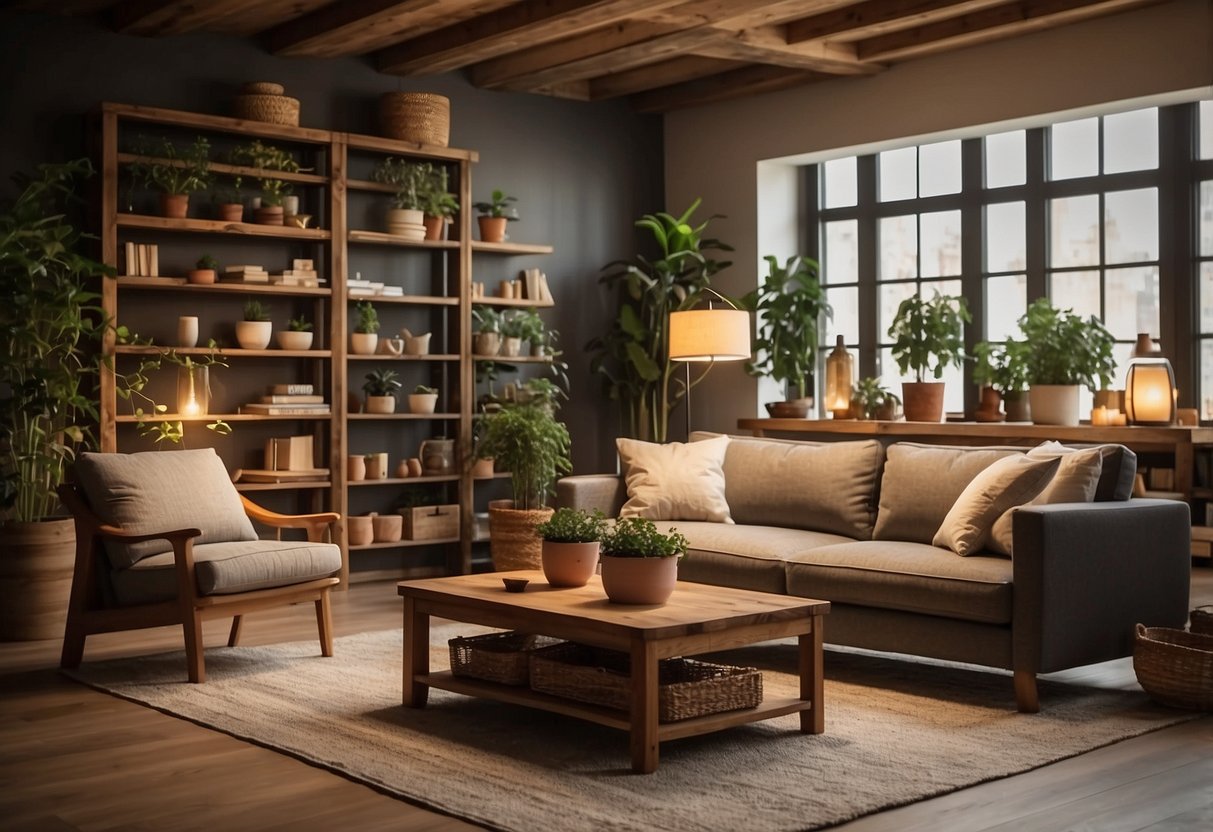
(1149, 392)
(710, 335)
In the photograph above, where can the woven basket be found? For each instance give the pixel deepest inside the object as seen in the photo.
(1174, 667)
(1202, 620)
(686, 688)
(421, 117)
(513, 542)
(274, 108)
(497, 657)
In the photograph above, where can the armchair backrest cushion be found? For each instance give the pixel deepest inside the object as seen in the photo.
(160, 491)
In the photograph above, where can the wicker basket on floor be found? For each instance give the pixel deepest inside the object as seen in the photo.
(686, 688)
(497, 657)
(421, 117)
(1175, 667)
(1202, 620)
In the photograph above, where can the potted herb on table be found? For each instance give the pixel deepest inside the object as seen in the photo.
(639, 562)
(494, 215)
(365, 336)
(571, 539)
(1062, 351)
(928, 335)
(253, 333)
(380, 388)
(175, 172)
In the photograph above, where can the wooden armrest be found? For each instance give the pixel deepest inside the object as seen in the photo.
(314, 523)
(118, 533)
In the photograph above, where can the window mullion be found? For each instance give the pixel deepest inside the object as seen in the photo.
(1036, 217)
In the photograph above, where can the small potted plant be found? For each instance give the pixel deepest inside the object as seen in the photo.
(494, 215)
(487, 340)
(255, 330)
(872, 400)
(175, 172)
(266, 157)
(438, 204)
(571, 538)
(513, 329)
(639, 562)
(229, 207)
(297, 336)
(405, 216)
(1002, 373)
(204, 270)
(380, 388)
(423, 399)
(1063, 350)
(365, 337)
(928, 335)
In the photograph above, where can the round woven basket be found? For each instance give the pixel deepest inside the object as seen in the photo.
(274, 108)
(512, 538)
(1175, 667)
(421, 117)
(1202, 620)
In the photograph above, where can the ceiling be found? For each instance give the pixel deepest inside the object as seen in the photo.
(661, 54)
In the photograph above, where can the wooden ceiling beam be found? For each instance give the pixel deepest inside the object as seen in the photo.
(176, 17)
(766, 45)
(355, 27)
(664, 74)
(877, 17)
(750, 80)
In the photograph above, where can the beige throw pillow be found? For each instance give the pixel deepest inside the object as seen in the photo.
(1006, 483)
(676, 481)
(1076, 480)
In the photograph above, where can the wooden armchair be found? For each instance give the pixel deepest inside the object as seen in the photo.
(164, 538)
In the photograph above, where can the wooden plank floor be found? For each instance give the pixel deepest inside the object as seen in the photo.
(73, 758)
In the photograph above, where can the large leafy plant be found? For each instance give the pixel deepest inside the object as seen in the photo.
(789, 303)
(633, 355)
(408, 178)
(525, 438)
(172, 169)
(928, 335)
(1062, 347)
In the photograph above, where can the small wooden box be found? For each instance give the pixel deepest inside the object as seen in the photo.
(431, 522)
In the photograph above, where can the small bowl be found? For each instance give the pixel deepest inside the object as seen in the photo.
(515, 584)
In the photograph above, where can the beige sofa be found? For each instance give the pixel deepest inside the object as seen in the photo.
(853, 522)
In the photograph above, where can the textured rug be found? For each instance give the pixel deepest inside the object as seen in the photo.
(896, 732)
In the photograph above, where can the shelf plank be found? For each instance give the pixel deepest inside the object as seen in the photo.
(382, 357)
(516, 359)
(383, 238)
(234, 170)
(127, 282)
(481, 247)
(133, 349)
(359, 141)
(402, 416)
(405, 480)
(282, 486)
(488, 300)
(248, 229)
(227, 417)
(404, 544)
(422, 300)
(223, 124)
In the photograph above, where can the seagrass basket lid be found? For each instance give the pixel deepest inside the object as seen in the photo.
(421, 117)
(264, 101)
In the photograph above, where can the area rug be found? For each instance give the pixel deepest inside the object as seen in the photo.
(896, 732)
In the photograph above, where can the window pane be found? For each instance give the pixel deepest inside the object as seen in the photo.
(944, 287)
(891, 295)
(1206, 219)
(1121, 353)
(954, 389)
(887, 372)
(1131, 302)
(1206, 298)
(1074, 149)
(1006, 300)
(939, 168)
(1130, 141)
(1206, 379)
(898, 174)
(841, 188)
(1005, 247)
(1131, 226)
(1074, 231)
(1006, 159)
(842, 252)
(845, 322)
(898, 247)
(1076, 290)
(1206, 129)
(940, 243)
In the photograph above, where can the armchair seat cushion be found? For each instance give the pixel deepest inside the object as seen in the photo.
(225, 568)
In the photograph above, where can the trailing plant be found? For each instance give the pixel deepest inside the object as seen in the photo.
(1001, 366)
(266, 157)
(382, 382)
(368, 318)
(436, 200)
(636, 537)
(929, 334)
(171, 169)
(498, 205)
(206, 262)
(525, 438)
(408, 178)
(254, 310)
(789, 305)
(573, 525)
(632, 356)
(1062, 347)
(869, 396)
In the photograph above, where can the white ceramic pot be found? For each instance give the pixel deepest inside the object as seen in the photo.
(291, 340)
(363, 343)
(422, 402)
(1054, 404)
(254, 335)
(511, 347)
(380, 404)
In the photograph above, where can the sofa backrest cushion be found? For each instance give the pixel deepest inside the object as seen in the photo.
(1117, 475)
(1010, 481)
(160, 491)
(675, 481)
(1077, 477)
(819, 486)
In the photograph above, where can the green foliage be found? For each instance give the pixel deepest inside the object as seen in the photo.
(300, 324)
(1061, 347)
(408, 178)
(171, 169)
(267, 158)
(524, 438)
(870, 396)
(573, 525)
(1001, 366)
(206, 262)
(368, 318)
(382, 382)
(636, 537)
(632, 356)
(929, 334)
(789, 304)
(499, 205)
(436, 200)
(254, 310)
(423, 390)
(49, 332)
(487, 319)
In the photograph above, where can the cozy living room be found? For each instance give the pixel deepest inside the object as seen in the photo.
(596, 414)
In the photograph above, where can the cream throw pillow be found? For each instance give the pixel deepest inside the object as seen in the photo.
(1008, 482)
(676, 481)
(1076, 481)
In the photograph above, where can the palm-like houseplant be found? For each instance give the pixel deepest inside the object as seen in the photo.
(928, 336)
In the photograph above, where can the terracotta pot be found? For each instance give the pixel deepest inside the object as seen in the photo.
(200, 276)
(1054, 404)
(361, 530)
(482, 469)
(639, 580)
(922, 400)
(363, 343)
(175, 206)
(36, 578)
(990, 407)
(435, 227)
(492, 229)
(380, 404)
(254, 335)
(269, 215)
(388, 528)
(569, 564)
(355, 467)
(291, 340)
(414, 467)
(512, 539)
(230, 211)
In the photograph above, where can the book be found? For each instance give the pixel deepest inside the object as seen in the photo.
(291, 389)
(545, 294)
(289, 453)
(291, 398)
(140, 259)
(258, 409)
(132, 265)
(153, 260)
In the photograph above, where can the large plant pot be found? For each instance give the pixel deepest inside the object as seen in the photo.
(1054, 404)
(569, 564)
(36, 579)
(512, 538)
(639, 580)
(922, 401)
(406, 223)
(254, 335)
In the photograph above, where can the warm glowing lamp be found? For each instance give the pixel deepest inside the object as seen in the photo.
(193, 390)
(840, 375)
(709, 335)
(1149, 385)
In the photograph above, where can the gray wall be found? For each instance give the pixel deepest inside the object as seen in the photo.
(581, 171)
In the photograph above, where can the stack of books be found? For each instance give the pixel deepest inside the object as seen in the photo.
(142, 259)
(535, 285)
(289, 400)
(360, 288)
(301, 273)
(245, 274)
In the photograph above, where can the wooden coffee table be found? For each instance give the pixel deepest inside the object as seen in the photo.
(698, 618)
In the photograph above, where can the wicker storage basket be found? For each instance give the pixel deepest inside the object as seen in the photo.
(421, 117)
(1202, 620)
(1174, 667)
(687, 688)
(513, 543)
(264, 101)
(497, 657)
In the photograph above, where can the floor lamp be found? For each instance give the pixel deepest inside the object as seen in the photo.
(709, 335)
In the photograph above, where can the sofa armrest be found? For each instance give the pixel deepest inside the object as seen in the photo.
(605, 492)
(1086, 573)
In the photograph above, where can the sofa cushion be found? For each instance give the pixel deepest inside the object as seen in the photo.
(159, 491)
(1119, 471)
(676, 481)
(1076, 479)
(921, 483)
(912, 577)
(224, 568)
(1011, 481)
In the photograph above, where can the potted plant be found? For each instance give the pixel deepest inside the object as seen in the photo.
(512, 331)
(526, 439)
(789, 306)
(494, 214)
(404, 218)
(204, 270)
(266, 157)
(229, 206)
(297, 335)
(438, 204)
(253, 333)
(640, 563)
(380, 388)
(423, 399)
(872, 400)
(532, 329)
(1062, 351)
(364, 338)
(487, 339)
(571, 539)
(175, 172)
(1002, 372)
(928, 335)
